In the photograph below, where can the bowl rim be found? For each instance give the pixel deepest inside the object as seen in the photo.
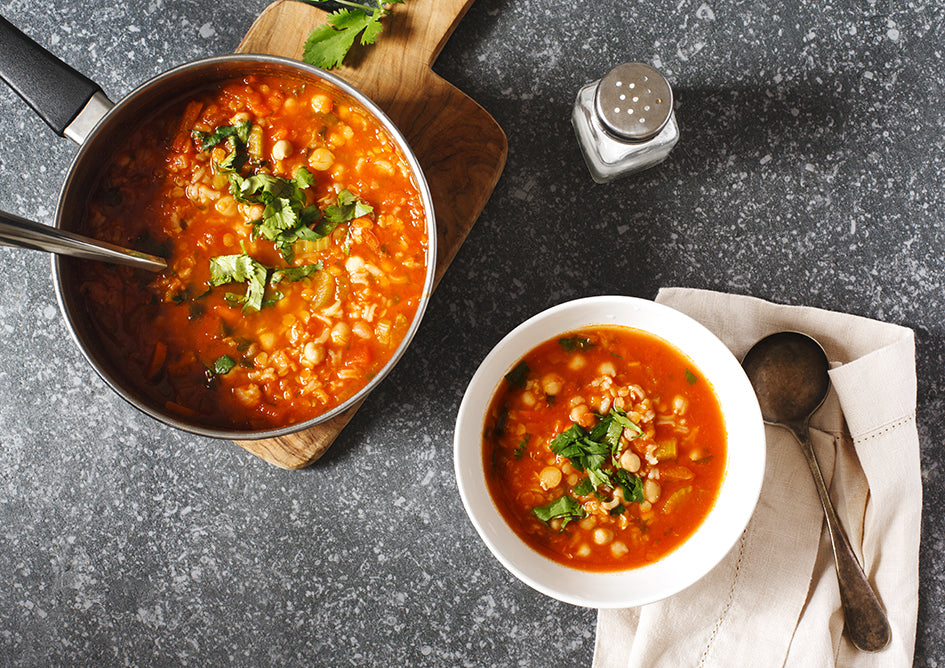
(724, 524)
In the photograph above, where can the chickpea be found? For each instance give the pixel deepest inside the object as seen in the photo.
(630, 461)
(362, 330)
(248, 395)
(577, 362)
(578, 412)
(651, 490)
(550, 477)
(226, 205)
(282, 149)
(607, 369)
(603, 536)
(314, 354)
(582, 416)
(551, 383)
(605, 405)
(321, 159)
(321, 104)
(341, 334)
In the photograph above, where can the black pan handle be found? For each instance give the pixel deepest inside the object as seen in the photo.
(54, 90)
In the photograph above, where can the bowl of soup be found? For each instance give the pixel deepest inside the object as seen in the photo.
(609, 451)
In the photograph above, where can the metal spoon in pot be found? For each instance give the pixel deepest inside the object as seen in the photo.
(21, 233)
(788, 371)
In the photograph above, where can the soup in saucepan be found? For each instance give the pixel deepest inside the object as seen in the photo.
(296, 246)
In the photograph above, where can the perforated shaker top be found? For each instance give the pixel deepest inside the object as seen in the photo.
(634, 101)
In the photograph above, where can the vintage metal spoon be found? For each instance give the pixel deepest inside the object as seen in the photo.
(788, 371)
(21, 233)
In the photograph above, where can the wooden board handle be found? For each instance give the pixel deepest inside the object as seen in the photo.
(414, 35)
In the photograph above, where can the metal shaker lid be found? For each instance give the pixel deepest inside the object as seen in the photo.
(634, 101)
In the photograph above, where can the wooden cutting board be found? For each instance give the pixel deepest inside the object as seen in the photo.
(460, 147)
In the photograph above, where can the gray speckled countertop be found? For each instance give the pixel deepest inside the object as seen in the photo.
(809, 171)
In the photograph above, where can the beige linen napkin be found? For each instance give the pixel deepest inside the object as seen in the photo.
(773, 601)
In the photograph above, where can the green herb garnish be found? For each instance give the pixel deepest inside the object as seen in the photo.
(223, 365)
(564, 508)
(294, 273)
(522, 447)
(241, 268)
(518, 375)
(570, 344)
(328, 44)
(286, 217)
(210, 139)
(347, 208)
(631, 485)
(595, 454)
(584, 488)
(690, 377)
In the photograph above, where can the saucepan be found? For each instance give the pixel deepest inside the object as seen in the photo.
(75, 107)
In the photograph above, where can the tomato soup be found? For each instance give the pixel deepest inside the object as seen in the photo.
(605, 448)
(296, 244)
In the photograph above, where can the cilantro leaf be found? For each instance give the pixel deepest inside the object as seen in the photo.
(347, 208)
(294, 273)
(570, 344)
(563, 507)
(522, 446)
(242, 268)
(583, 488)
(286, 217)
(223, 365)
(590, 452)
(328, 44)
(690, 377)
(210, 139)
(631, 485)
(517, 376)
(239, 269)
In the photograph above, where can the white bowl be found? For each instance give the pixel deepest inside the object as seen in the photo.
(725, 522)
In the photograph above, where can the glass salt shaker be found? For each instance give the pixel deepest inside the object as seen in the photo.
(625, 122)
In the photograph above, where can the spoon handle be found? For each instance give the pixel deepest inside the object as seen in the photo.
(21, 233)
(866, 624)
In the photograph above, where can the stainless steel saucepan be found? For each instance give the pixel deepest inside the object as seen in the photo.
(75, 107)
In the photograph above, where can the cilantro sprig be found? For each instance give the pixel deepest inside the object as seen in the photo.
(234, 137)
(564, 508)
(286, 217)
(208, 140)
(241, 268)
(594, 452)
(328, 44)
(573, 343)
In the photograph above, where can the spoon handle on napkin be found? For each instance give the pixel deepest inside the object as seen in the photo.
(866, 624)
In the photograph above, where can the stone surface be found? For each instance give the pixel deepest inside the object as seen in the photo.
(808, 172)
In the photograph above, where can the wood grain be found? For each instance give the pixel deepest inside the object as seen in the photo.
(461, 148)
